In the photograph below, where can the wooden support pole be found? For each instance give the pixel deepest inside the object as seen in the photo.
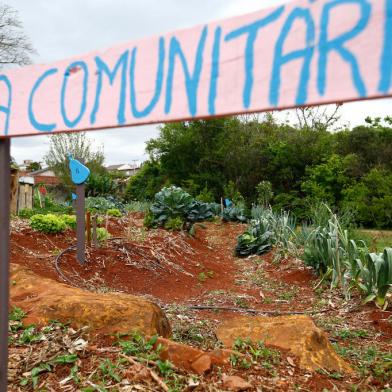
(95, 240)
(88, 227)
(80, 224)
(5, 179)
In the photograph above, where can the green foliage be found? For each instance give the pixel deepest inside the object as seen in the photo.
(266, 229)
(257, 239)
(26, 213)
(326, 181)
(264, 193)
(102, 234)
(231, 192)
(114, 212)
(77, 144)
(205, 196)
(371, 199)
(137, 206)
(253, 354)
(101, 184)
(146, 183)
(49, 224)
(69, 220)
(174, 224)
(303, 164)
(176, 205)
(235, 214)
(103, 204)
(376, 276)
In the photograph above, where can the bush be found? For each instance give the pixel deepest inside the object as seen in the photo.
(69, 220)
(114, 212)
(26, 213)
(102, 234)
(49, 224)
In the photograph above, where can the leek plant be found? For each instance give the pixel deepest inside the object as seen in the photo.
(376, 277)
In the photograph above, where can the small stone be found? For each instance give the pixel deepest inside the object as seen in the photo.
(235, 383)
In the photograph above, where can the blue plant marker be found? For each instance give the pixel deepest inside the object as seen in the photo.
(74, 197)
(79, 172)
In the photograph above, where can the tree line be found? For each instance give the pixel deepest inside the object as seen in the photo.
(300, 165)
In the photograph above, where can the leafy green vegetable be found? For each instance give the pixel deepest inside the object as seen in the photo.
(257, 239)
(49, 224)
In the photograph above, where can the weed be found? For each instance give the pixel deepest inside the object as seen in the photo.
(288, 295)
(30, 335)
(141, 347)
(202, 277)
(241, 302)
(347, 333)
(108, 370)
(369, 360)
(165, 367)
(254, 353)
(34, 375)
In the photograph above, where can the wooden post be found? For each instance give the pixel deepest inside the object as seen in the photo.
(5, 179)
(80, 224)
(88, 227)
(95, 241)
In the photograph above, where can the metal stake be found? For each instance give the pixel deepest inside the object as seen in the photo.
(80, 224)
(5, 180)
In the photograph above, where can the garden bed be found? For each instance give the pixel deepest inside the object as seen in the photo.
(199, 283)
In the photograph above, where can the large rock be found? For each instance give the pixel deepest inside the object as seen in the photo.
(298, 334)
(45, 299)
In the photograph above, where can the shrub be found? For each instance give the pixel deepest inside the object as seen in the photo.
(69, 220)
(264, 193)
(26, 213)
(114, 212)
(49, 224)
(102, 234)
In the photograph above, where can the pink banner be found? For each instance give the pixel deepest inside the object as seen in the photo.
(308, 52)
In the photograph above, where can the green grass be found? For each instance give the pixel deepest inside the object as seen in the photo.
(376, 240)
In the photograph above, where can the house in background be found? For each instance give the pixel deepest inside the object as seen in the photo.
(45, 177)
(126, 169)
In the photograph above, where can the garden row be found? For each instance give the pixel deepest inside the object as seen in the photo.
(325, 244)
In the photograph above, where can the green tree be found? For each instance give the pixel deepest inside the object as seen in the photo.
(326, 181)
(77, 144)
(147, 182)
(371, 199)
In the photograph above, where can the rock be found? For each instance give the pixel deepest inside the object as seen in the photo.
(298, 334)
(45, 299)
(235, 383)
(202, 364)
(192, 359)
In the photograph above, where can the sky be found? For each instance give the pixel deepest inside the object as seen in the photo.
(65, 28)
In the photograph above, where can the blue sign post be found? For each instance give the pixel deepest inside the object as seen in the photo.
(79, 175)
